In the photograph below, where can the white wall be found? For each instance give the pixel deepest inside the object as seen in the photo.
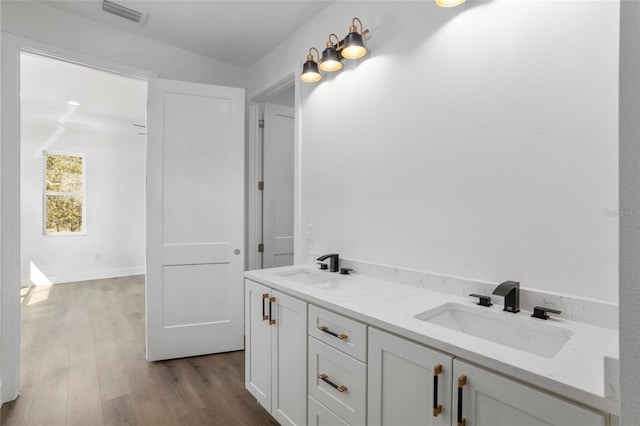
(630, 211)
(115, 206)
(44, 23)
(478, 141)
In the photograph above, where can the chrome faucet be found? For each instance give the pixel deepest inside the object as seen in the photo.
(334, 261)
(510, 290)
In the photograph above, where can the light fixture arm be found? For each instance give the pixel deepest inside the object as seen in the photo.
(331, 44)
(354, 29)
(310, 56)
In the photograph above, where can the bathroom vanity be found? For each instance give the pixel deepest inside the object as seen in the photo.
(368, 349)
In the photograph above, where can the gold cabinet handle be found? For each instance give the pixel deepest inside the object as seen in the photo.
(325, 379)
(437, 408)
(325, 329)
(462, 381)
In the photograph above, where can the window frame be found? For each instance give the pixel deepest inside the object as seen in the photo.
(46, 193)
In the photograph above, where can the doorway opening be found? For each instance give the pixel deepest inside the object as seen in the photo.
(274, 201)
(14, 49)
(82, 172)
(82, 228)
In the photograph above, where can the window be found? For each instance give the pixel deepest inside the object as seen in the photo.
(64, 184)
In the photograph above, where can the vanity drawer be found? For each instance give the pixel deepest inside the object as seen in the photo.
(340, 332)
(344, 388)
(319, 415)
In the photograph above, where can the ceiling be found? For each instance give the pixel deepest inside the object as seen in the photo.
(108, 102)
(238, 32)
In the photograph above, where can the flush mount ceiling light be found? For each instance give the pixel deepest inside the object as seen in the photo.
(351, 47)
(74, 103)
(310, 71)
(449, 3)
(122, 11)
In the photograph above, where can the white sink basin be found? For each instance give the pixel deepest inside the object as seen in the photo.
(518, 331)
(306, 276)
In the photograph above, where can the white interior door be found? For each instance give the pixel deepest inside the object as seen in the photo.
(278, 155)
(195, 219)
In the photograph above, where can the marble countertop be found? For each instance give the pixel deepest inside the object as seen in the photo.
(575, 372)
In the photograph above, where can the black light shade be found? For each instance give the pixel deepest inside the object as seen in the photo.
(310, 71)
(330, 57)
(330, 60)
(353, 45)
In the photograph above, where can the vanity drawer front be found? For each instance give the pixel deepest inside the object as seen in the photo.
(344, 388)
(319, 415)
(340, 332)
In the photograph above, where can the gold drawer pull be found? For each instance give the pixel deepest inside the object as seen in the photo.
(437, 408)
(325, 329)
(325, 379)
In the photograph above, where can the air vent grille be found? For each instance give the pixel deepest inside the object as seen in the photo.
(121, 11)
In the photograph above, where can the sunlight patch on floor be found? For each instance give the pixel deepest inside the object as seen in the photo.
(24, 292)
(38, 294)
(38, 287)
(36, 276)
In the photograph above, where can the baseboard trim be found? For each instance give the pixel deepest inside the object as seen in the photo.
(87, 276)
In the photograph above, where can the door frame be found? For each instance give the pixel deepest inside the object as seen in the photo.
(254, 166)
(12, 46)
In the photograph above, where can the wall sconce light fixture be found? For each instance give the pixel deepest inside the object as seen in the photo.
(449, 3)
(351, 47)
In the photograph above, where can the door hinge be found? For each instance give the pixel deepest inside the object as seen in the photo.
(260, 248)
(261, 124)
(261, 186)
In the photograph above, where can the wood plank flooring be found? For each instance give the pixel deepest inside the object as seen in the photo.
(83, 363)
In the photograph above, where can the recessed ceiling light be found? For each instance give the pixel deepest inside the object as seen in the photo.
(74, 103)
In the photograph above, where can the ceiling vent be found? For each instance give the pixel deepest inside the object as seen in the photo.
(121, 11)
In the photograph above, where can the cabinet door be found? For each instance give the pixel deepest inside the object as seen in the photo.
(258, 342)
(489, 399)
(289, 360)
(402, 378)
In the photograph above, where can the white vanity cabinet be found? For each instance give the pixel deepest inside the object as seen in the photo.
(402, 383)
(409, 384)
(308, 364)
(489, 399)
(276, 352)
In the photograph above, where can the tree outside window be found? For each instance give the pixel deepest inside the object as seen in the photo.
(64, 193)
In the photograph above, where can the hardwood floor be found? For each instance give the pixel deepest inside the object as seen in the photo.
(83, 363)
